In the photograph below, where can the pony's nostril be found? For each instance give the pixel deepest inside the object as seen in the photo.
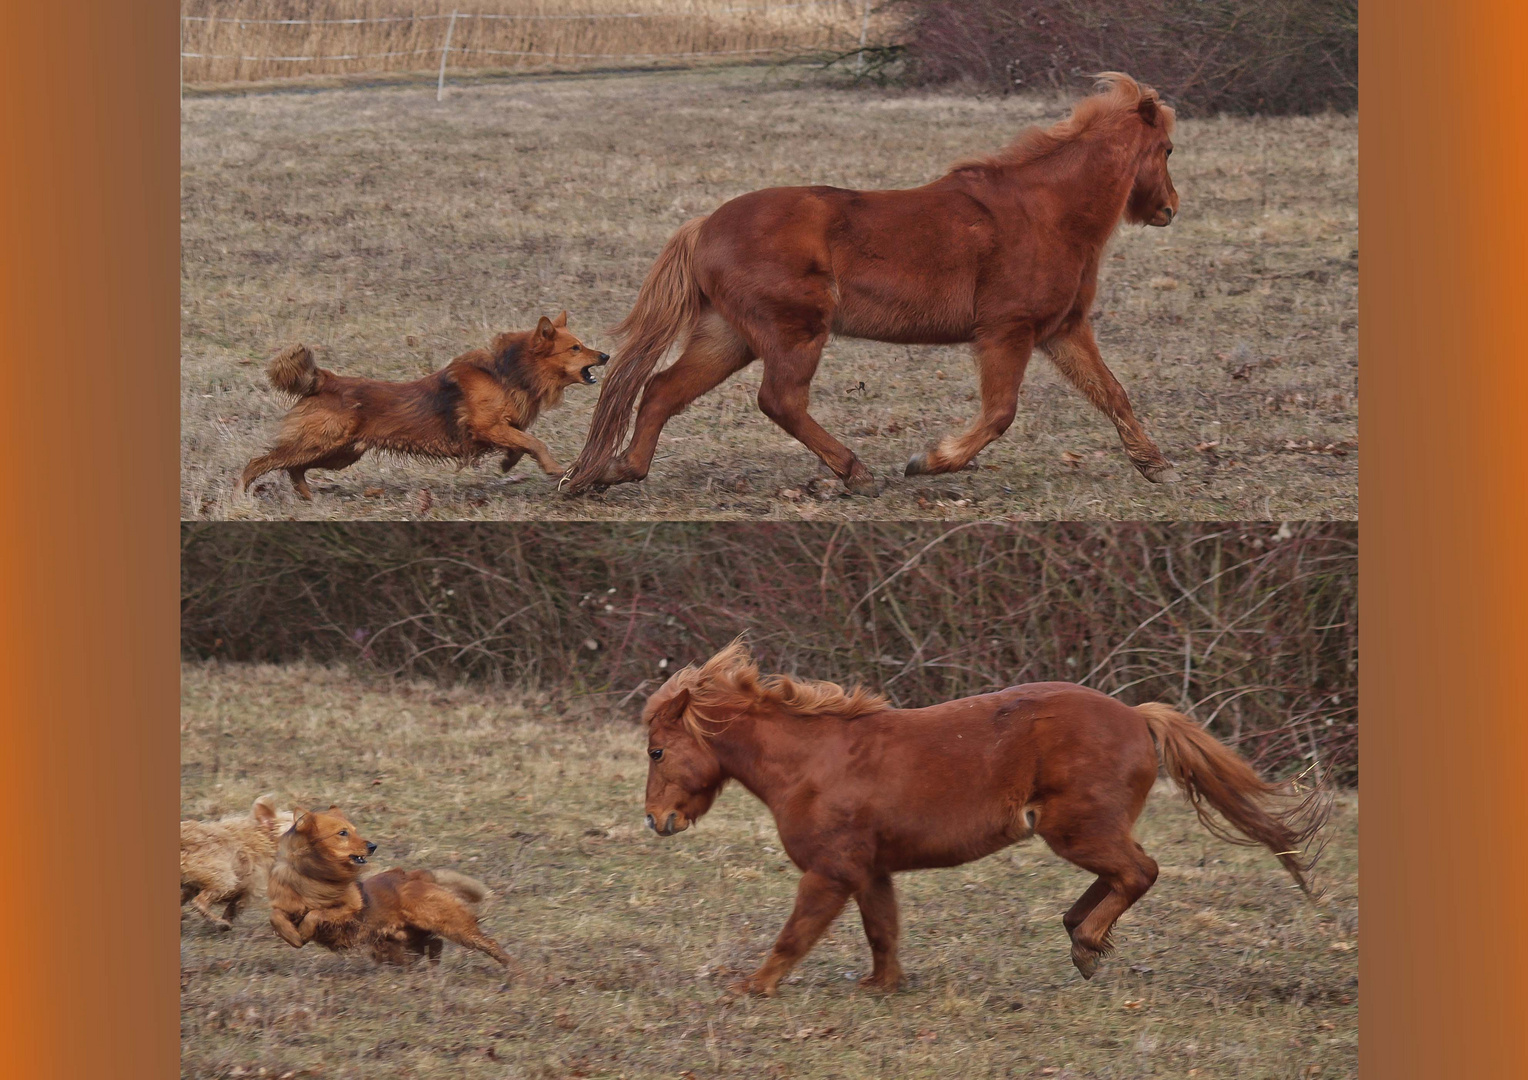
(651, 824)
(668, 826)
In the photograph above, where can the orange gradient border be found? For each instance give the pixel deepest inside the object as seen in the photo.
(88, 550)
(1442, 571)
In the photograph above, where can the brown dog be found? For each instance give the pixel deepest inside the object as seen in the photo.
(221, 862)
(316, 895)
(482, 401)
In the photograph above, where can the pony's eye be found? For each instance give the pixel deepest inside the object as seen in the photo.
(1169, 151)
(656, 753)
(576, 348)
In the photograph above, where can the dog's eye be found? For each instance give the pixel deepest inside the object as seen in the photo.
(344, 832)
(656, 753)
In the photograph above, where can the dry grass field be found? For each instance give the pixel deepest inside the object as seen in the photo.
(393, 232)
(626, 939)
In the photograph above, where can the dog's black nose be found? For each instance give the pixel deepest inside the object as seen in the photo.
(604, 356)
(370, 847)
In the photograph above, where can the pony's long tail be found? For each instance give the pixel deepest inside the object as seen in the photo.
(666, 306)
(292, 371)
(1207, 771)
(470, 890)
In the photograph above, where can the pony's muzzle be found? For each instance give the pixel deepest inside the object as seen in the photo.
(668, 828)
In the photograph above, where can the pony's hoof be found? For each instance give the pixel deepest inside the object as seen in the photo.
(863, 483)
(917, 466)
(882, 984)
(1085, 960)
(749, 987)
(1160, 474)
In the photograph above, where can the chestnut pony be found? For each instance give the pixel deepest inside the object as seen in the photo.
(860, 791)
(1002, 252)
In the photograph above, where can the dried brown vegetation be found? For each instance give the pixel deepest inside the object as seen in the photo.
(1206, 56)
(230, 41)
(1252, 628)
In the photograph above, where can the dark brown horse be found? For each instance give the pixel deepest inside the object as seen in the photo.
(1002, 252)
(860, 791)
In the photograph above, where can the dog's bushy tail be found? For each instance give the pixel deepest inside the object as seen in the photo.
(666, 306)
(1209, 772)
(470, 890)
(292, 371)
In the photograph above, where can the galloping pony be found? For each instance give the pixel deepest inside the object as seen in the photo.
(860, 791)
(1001, 252)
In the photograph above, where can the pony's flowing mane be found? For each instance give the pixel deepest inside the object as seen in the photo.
(729, 683)
(1118, 98)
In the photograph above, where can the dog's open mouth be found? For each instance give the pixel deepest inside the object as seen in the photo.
(587, 374)
(359, 860)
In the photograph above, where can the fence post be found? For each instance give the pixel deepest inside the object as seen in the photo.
(859, 61)
(440, 83)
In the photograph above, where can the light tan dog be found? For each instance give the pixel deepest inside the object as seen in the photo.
(316, 895)
(222, 862)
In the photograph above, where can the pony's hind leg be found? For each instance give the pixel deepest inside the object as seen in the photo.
(819, 899)
(1000, 365)
(714, 352)
(1076, 354)
(1125, 874)
(878, 911)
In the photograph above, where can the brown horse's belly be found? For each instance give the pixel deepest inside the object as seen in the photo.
(887, 327)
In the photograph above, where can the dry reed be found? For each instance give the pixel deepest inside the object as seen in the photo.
(243, 40)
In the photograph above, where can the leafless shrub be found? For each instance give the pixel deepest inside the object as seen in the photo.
(1235, 56)
(1252, 627)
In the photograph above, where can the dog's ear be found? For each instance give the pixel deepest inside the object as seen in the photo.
(334, 806)
(546, 329)
(264, 810)
(561, 320)
(302, 820)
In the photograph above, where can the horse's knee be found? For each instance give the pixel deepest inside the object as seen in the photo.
(773, 403)
(1140, 877)
(1001, 418)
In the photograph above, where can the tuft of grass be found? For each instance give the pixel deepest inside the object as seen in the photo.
(393, 233)
(1222, 970)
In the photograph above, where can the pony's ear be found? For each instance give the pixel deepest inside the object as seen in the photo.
(546, 329)
(264, 809)
(677, 705)
(561, 320)
(1148, 109)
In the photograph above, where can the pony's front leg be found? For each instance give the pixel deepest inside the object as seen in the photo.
(878, 911)
(784, 395)
(1000, 363)
(819, 899)
(1076, 354)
